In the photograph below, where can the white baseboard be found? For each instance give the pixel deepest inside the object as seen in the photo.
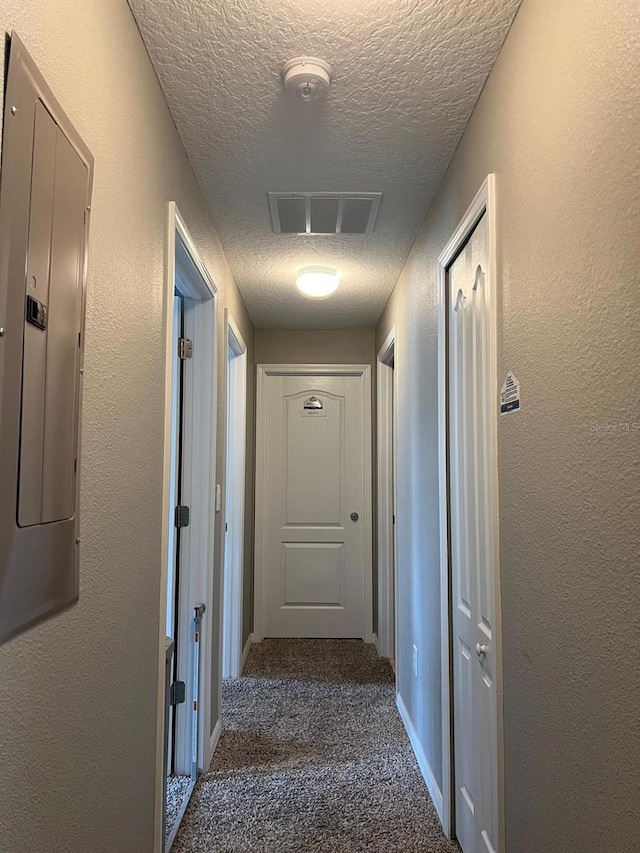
(213, 740)
(376, 643)
(246, 651)
(427, 774)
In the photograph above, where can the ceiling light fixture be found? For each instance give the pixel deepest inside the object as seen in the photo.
(317, 282)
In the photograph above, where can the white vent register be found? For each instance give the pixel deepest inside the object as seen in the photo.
(324, 212)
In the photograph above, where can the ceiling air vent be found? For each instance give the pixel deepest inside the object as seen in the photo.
(324, 213)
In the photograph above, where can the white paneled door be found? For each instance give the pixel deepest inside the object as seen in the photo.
(314, 510)
(472, 548)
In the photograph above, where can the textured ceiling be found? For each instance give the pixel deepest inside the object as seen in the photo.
(406, 75)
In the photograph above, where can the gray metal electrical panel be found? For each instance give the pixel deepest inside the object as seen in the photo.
(45, 193)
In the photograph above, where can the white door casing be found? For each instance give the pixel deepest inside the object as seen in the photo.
(199, 484)
(232, 596)
(386, 408)
(313, 560)
(175, 470)
(470, 524)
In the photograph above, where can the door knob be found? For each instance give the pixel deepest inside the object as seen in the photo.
(354, 516)
(481, 650)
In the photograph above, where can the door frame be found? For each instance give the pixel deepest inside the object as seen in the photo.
(199, 471)
(385, 636)
(233, 560)
(264, 371)
(483, 203)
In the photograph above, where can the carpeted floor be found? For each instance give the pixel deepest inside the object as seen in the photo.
(177, 787)
(313, 757)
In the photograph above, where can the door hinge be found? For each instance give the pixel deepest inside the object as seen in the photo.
(185, 348)
(394, 519)
(226, 527)
(182, 516)
(177, 693)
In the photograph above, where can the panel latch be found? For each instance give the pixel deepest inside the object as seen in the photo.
(36, 313)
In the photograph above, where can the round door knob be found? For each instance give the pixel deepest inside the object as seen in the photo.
(354, 516)
(480, 650)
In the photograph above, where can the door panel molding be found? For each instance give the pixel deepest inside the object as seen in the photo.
(483, 204)
(264, 371)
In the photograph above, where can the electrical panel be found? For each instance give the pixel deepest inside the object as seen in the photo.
(45, 192)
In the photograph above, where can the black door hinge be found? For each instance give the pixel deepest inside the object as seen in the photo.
(177, 693)
(182, 517)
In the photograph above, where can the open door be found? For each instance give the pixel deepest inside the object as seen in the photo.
(188, 627)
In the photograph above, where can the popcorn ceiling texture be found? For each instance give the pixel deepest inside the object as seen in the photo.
(406, 77)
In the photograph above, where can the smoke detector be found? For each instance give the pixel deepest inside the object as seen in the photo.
(307, 76)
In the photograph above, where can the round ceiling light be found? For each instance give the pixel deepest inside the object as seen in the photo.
(317, 282)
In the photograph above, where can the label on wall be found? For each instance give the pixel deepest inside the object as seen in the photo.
(510, 395)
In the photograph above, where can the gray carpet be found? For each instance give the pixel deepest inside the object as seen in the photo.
(313, 757)
(177, 787)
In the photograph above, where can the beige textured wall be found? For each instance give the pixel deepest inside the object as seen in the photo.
(78, 693)
(559, 123)
(315, 346)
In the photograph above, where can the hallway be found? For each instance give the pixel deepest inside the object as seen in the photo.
(320, 320)
(313, 756)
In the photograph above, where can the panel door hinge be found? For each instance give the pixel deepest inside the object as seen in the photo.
(182, 516)
(185, 348)
(177, 693)
(394, 519)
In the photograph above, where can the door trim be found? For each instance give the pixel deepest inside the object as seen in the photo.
(484, 202)
(386, 463)
(234, 509)
(199, 481)
(263, 372)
